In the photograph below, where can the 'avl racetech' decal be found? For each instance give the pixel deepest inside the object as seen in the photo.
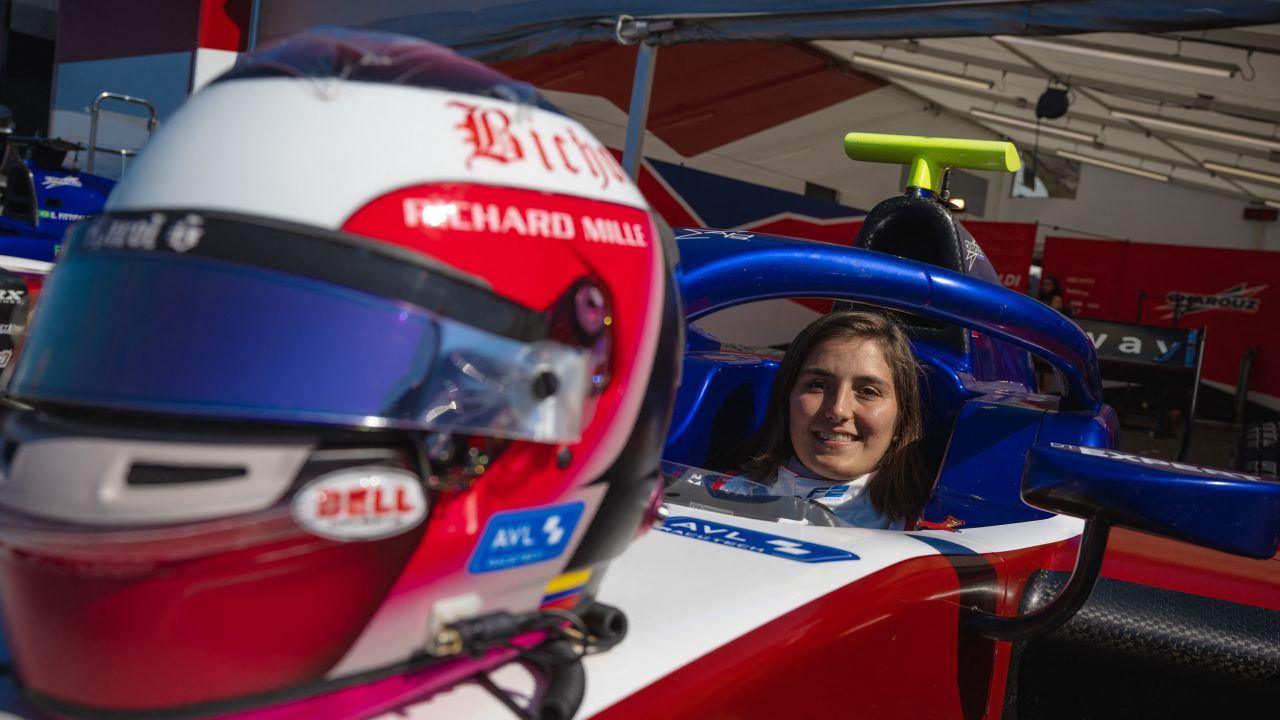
(754, 541)
(524, 537)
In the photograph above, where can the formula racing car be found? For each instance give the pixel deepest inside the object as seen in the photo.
(756, 605)
(734, 605)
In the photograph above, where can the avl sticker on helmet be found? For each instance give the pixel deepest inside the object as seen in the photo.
(744, 539)
(364, 503)
(524, 537)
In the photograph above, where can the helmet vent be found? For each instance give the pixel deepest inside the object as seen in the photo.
(141, 474)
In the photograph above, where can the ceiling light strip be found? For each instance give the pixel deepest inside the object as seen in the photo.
(1048, 129)
(1242, 172)
(1168, 62)
(1113, 165)
(1228, 135)
(920, 72)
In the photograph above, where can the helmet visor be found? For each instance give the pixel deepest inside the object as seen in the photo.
(133, 320)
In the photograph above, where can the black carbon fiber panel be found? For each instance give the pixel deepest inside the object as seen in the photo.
(1160, 627)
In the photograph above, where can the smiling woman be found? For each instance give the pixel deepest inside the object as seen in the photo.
(843, 422)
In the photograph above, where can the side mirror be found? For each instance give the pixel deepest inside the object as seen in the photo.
(1219, 509)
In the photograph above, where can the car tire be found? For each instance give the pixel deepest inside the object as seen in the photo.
(1258, 449)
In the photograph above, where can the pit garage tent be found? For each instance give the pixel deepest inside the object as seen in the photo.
(496, 30)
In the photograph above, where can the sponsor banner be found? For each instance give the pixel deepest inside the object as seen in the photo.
(1239, 298)
(1089, 274)
(1009, 247)
(524, 537)
(754, 541)
(1163, 347)
(1234, 294)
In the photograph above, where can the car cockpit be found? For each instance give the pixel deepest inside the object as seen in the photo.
(981, 411)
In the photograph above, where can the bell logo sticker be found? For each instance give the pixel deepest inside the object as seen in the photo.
(364, 503)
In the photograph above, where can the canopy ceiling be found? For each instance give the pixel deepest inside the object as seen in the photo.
(495, 30)
(769, 95)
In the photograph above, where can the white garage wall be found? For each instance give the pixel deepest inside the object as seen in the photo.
(1125, 207)
(1109, 203)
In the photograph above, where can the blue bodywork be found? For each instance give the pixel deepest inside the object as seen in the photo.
(994, 443)
(1221, 509)
(41, 201)
(25, 241)
(982, 413)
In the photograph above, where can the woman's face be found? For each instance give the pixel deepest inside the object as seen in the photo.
(843, 408)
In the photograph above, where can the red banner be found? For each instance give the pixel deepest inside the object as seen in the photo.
(1009, 246)
(1090, 274)
(1234, 293)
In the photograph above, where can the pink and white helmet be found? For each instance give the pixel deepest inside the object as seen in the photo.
(370, 340)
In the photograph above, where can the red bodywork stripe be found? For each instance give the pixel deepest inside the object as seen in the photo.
(1139, 558)
(887, 646)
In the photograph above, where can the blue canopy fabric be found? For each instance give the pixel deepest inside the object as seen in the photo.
(497, 30)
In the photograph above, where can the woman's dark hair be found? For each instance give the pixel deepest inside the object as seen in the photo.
(1051, 294)
(900, 485)
(1049, 286)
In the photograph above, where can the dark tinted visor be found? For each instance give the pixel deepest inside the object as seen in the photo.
(194, 314)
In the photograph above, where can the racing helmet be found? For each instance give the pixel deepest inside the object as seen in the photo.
(370, 339)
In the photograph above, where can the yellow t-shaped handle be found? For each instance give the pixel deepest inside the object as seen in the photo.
(930, 157)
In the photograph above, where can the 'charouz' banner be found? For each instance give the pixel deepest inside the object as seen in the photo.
(1233, 293)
